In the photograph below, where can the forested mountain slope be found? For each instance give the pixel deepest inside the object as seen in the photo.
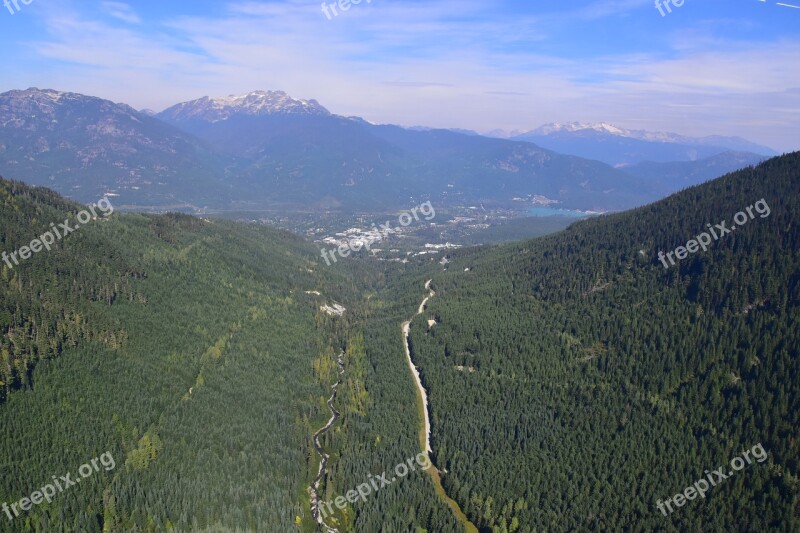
(296, 151)
(195, 353)
(83, 146)
(182, 346)
(575, 382)
(676, 175)
(309, 159)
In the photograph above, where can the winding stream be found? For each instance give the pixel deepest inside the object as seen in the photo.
(324, 457)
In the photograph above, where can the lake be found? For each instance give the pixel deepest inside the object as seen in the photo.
(551, 211)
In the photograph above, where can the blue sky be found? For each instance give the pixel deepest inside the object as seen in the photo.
(728, 67)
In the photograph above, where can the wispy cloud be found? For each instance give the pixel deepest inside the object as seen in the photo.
(121, 11)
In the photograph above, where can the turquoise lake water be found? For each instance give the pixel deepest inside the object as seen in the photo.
(551, 211)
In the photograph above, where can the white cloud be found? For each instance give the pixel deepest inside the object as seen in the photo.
(121, 11)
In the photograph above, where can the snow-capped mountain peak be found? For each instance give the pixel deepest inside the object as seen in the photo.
(573, 127)
(604, 128)
(256, 103)
(620, 146)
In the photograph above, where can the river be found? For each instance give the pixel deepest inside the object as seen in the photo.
(324, 457)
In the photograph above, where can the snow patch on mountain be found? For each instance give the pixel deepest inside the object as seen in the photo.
(734, 143)
(256, 103)
(572, 127)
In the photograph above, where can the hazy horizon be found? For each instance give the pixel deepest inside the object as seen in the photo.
(704, 69)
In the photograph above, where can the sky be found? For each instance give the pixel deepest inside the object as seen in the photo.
(708, 67)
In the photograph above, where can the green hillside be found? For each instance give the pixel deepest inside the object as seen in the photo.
(575, 382)
(194, 353)
(184, 347)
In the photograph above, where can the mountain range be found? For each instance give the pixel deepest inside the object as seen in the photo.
(267, 150)
(622, 147)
